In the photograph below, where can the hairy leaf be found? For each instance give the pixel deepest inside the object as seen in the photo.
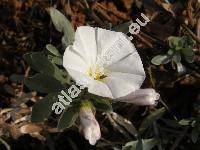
(42, 108)
(43, 83)
(53, 50)
(63, 25)
(151, 118)
(161, 59)
(68, 118)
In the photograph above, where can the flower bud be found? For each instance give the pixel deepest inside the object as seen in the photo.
(89, 125)
(142, 97)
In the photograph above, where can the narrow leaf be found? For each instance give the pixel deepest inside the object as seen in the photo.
(143, 144)
(161, 59)
(53, 50)
(63, 25)
(151, 118)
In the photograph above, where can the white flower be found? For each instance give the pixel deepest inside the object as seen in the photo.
(106, 62)
(141, 97)
(89, 125)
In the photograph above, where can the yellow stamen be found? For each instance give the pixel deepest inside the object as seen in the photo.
(96, 73)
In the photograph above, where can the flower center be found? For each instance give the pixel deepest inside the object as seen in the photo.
(96, 72)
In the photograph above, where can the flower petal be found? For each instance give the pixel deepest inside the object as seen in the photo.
(112, 46)
(99, 88)
(130, 64)
(122, 84)
(72, 59)
(85, 43)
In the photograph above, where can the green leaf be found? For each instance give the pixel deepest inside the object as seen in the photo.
(139, 145)
(184, 122)
(188, 54)
(177, 57)
(175, 42)
(161, 59)
(63, 25)
(180, 68)
(57, 61)
(123, 27)
(43, 108)
(102, 104)
(39, 62)
(151, 118)
(53, 50)
(170, 52)
(188, 42)
(68, 118)
(43, 83)
(195, 134)
(143, 144)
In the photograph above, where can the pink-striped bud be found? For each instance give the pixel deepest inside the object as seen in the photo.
(141, 97)
(89, 125)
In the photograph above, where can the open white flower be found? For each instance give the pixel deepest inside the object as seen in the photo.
(106, 62)
(89, 125)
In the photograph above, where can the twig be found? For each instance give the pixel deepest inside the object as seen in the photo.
(103, 13)
(92, 14)
(115, 125)
(196, 38)
(150, 76)
(5, 144)
(179, 139)
(155, 128)
(145, 41)
(189, 12)
(114, 13)
(25, 75)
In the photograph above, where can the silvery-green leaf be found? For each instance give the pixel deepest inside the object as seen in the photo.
(123, 27)
(151, 118)
(184, 122)
(174, 42)
(53, 50)
(188, 54)
(170, 52)
(57, 61)
(43, 83)
(177, 58)
(145, 144)
(42, 108)
(180, 68)
(195, 134)
(161, 59)
(62, 24)
(39, 62)
(68, 118)
(102, 104)
(139, 145)
(188, 42)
